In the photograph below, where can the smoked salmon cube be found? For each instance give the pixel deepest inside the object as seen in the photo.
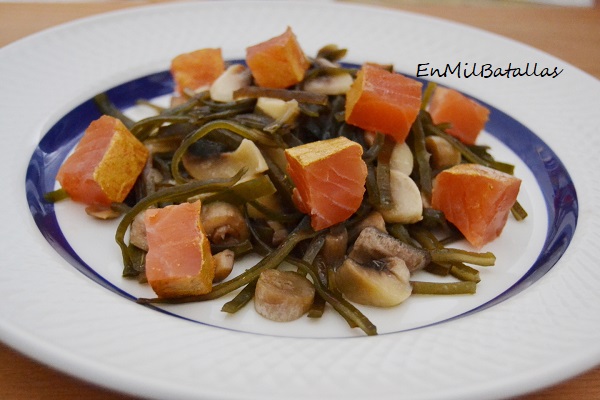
(466, 116)
(197, 70)
(383, 101)
(105, 164)
(278, 62)
(179, 261)
(329, 177)
(476, 199)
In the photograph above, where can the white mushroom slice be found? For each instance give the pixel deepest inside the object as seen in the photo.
(329, 84)
(223, 264)
(407, 205)
(443, 154)
(401, 159)
(137, 232)
(223, 223)
(283, 295)
(279, 110)
(247, 155)
(381, 283)
(235, 77)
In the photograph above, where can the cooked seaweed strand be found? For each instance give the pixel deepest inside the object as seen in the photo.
(241, 299)
(422, 158)
(56, 195)
(449, 255)
(464, 272)
(371, 185)
(443, 288)
(373, 151)
(300, 96)
(429, 89)
(382, 173)
(244, 192)
(147, 126)
(107, 107)
(241, 130)
(315, 246)
(518, 211)
(438, 269)
(172, 194)
(274, 215)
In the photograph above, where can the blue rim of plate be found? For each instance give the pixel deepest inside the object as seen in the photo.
(556, 186)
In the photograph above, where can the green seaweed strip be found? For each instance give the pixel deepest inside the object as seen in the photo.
(244, 192)
(429, 89)
(382, 173)
(56, 195)
(241, 299)
(422, 157)
(172, 194)
(373, 151)
(448, 255)
(443, 288)
(248, 133)
(300, 96)
(464, 272)
(371, 185)
(108, 108)
(518, 211)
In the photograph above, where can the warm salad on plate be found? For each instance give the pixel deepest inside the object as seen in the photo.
(347, 179)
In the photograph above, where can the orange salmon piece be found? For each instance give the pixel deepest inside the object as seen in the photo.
(467, 117)
(104, 165)
(278, 62)
(476, 199)
(197, 70)
(179, 261)
(329, 176)
(383, 101)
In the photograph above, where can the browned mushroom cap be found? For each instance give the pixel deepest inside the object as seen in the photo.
(224, 223)
(372, 244)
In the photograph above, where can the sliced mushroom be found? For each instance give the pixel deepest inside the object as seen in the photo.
(402, 159)
(443, 154)
(283, 295)
(102, 212)
(235, 77)
(380, 283)
(224, 223)
(137, 232)
(335, 246)
(331, 84)
(223, 264)
(407, 204)
(225, 165)
(280, 232)
(280, 110)
(372, 244)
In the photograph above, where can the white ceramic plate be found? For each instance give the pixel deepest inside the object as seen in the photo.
(534, 321)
